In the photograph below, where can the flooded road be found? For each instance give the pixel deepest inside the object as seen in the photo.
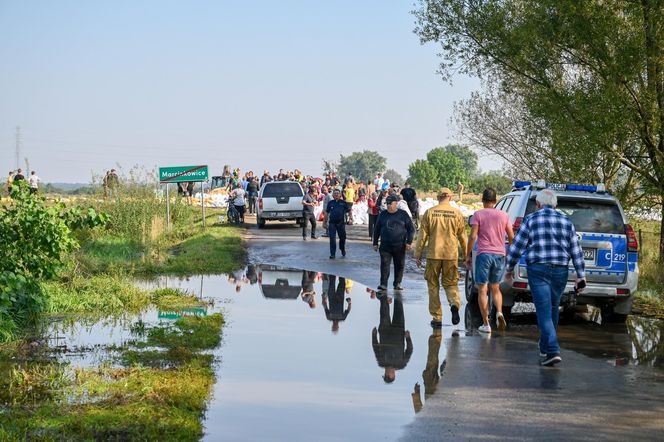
(307, 355)
(309, 351)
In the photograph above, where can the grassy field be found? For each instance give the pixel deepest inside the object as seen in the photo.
(649, 299)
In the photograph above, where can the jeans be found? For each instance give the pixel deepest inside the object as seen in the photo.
(333, 230)
(311, 218)
(547, 284)
(397, 254)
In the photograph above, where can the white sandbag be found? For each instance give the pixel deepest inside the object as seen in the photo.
(360, 213)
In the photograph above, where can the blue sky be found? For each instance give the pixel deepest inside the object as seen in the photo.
(261, 84)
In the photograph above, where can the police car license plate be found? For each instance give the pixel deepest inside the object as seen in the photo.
(589, 254)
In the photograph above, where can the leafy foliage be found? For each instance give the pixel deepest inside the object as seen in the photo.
(35, 240)
(498, 181)
(363, 165)
(588, 74)
(393, 176)
(423, 175)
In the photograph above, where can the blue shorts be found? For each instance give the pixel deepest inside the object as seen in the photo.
(489, 268)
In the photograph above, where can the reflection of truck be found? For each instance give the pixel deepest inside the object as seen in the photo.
(279, 282)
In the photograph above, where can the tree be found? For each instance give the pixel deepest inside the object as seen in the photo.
(467, 157)
(449, 167)
(363, 165)
(329, 166)
(393, 176)
(423, 176)
(494, 179)
(591, 71)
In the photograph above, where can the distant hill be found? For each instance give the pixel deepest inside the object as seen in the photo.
(68, 187)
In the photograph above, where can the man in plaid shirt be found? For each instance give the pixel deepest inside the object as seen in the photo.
(548, 240)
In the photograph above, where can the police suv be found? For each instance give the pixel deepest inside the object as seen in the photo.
(610, 248)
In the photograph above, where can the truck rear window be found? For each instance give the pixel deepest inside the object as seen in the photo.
(588, 216)
(282, 189)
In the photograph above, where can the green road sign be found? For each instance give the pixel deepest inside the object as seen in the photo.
(181, 313)
(183, 173)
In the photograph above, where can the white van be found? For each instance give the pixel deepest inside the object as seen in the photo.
(280, 200)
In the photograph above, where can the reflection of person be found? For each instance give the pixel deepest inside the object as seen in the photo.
(441, 227)
(430, 375)
(251, 274)
(308, 292)
(333, 302)
(388, 339)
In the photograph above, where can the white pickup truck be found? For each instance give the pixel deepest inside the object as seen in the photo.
(279, 200)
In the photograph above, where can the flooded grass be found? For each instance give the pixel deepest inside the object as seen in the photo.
(185, 250)
(153, 387)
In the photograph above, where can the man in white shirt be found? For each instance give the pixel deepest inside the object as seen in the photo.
(34, 182)
(379, 182)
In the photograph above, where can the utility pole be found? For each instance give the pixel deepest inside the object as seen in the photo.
(18, 147)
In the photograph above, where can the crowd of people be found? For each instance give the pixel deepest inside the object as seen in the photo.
(547, 239)
(16, 176)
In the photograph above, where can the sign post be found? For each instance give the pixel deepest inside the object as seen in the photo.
(179, 174)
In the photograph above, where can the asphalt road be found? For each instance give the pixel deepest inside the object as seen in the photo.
(493, 388)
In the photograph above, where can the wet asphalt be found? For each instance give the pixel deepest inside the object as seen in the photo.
(493, 388)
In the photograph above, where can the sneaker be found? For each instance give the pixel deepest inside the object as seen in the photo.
(500, 322)
(542, 354)
(314, 237)
(551, 359)
(331, 256)
(485, 328)
(455, 314)
(343, 253)
(398, 287)
(435, 323)
(382, 288)
(325, 235)
(304, 238)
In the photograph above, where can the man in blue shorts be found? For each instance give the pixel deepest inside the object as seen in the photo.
(489, 227)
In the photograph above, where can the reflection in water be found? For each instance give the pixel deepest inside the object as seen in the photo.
(388, 339)
(647, 340)
(430, 375)
(333, 300)
(308, 292)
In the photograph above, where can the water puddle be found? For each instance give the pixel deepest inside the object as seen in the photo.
(311, 356)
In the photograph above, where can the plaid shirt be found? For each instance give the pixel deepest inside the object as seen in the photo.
(547, 237)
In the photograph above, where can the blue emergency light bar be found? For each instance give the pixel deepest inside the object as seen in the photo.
(599, 188)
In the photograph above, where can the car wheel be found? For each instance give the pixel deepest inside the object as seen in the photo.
(471, 290)
(260, 222)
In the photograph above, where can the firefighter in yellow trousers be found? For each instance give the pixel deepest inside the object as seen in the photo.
(442, 228)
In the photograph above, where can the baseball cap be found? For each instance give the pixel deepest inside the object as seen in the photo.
(444, 191)
(391, 199)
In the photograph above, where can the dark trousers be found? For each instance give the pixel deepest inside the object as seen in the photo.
(308, 216)
(372, 224)
(333, 230)
(347, 215)
(396, 254)
(252, 203)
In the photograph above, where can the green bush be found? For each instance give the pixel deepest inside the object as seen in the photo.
(35, 241)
